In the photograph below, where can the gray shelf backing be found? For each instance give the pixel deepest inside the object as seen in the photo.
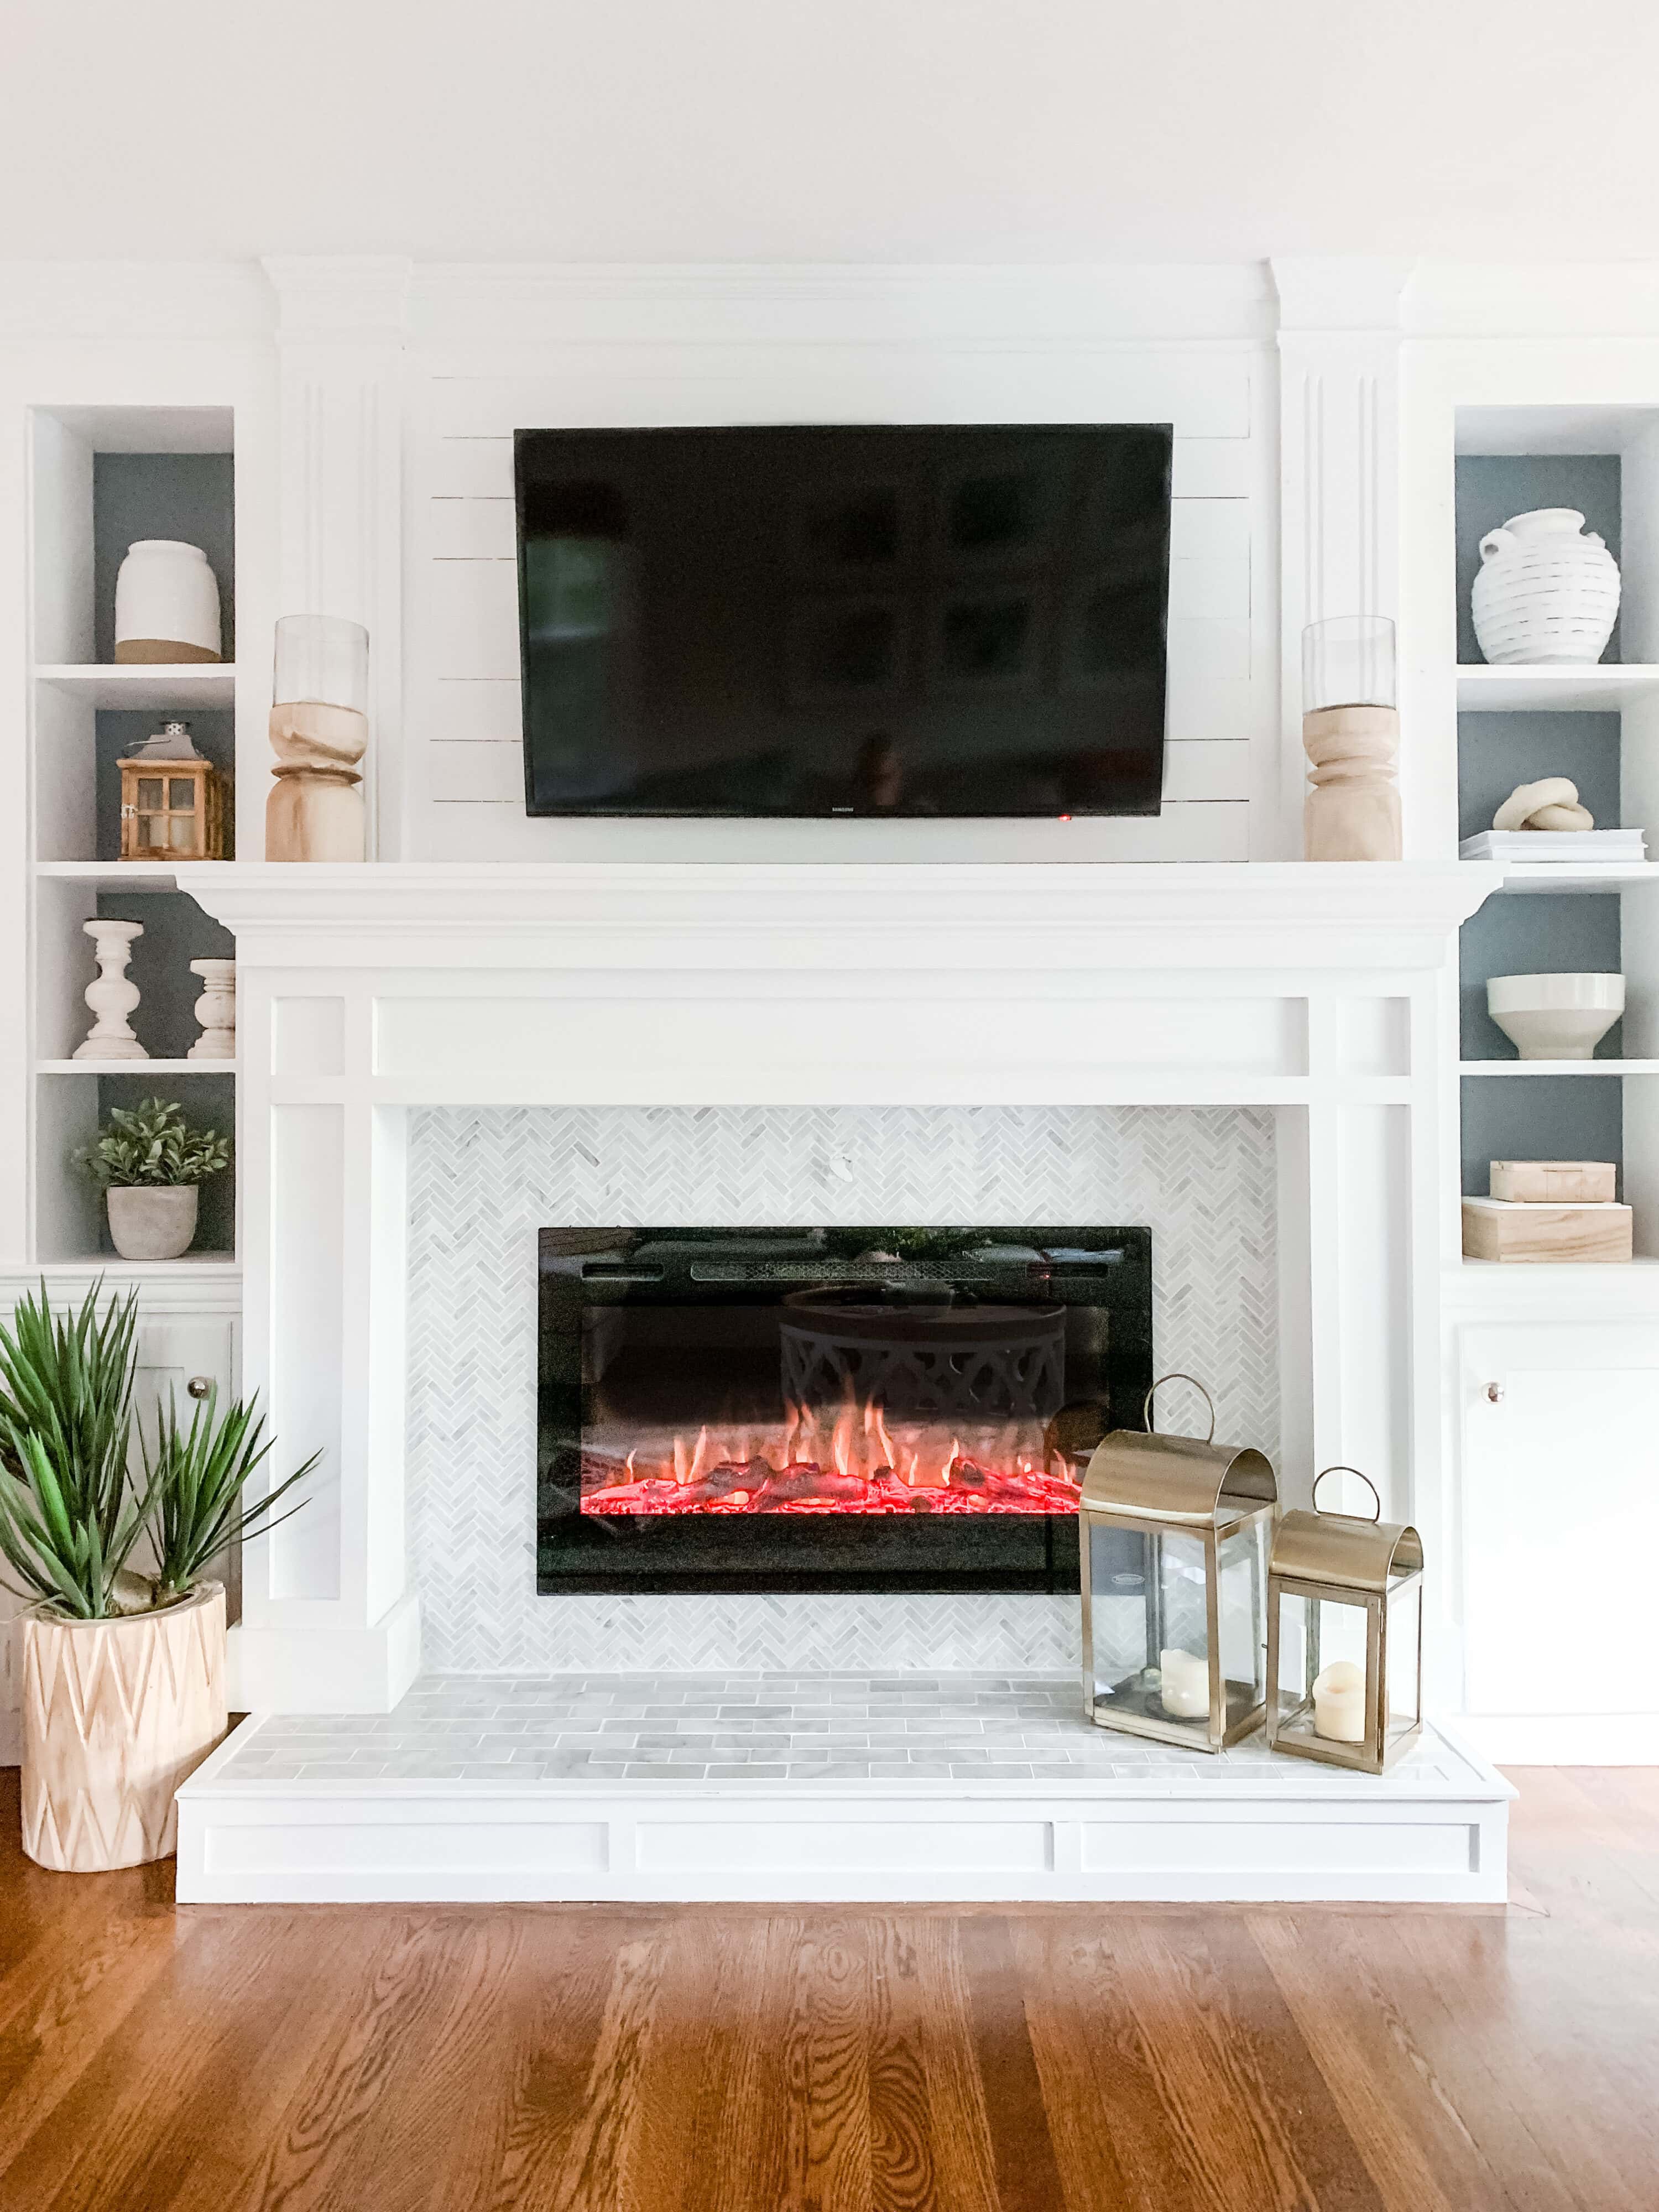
(1547, 1117)
(176, 931)
(1490, 487)
(213, 732)
(1560, 935)
(208, 1102)
(185, 495)
(1495, 752)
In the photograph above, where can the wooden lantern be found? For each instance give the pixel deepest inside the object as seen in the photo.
(172, 810)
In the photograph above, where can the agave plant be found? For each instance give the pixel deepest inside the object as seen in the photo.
(68, 1515)
(71, 1512)
(196, 1476)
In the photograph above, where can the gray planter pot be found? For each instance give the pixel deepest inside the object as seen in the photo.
(152, 1222)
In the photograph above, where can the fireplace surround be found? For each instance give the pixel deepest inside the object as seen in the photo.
(836, 1408)
(372, 997)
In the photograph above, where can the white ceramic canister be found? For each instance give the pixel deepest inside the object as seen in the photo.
(1548, 591)
(166, 604)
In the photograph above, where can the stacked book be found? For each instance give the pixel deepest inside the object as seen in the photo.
(1577, 846)
(1548, 1210)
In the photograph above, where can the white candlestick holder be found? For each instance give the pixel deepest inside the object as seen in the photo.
(216, 1010)
(112, 995)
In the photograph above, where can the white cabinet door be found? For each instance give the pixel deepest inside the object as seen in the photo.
(176, 1351)
(187, 1355)
(1560, 1497)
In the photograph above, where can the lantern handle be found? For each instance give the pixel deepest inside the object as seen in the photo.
(1177, 1376)
(1366, 1478)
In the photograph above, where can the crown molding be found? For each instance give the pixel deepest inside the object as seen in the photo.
(465, 302)
(1573, 301)
(359, 298)
(1353, 293)
(119, 300)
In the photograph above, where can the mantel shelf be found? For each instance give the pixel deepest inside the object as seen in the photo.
(1601, 688)
(1215, 916)
(152, 687)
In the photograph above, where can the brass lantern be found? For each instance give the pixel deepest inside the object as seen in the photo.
(1344, 1636)
(1174, 1578)
(171, 800)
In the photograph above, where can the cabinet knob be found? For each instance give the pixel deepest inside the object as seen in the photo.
(200, 1386)
(1495, 1393)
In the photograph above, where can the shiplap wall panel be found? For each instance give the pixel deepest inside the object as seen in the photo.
(1203, 394)
(467, 706)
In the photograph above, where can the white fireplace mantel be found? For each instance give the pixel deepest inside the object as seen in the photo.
(1323, 992)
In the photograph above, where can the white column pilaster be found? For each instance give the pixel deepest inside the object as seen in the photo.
(1339, 367)
(340, 336)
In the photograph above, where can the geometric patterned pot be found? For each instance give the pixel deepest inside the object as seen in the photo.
(116, 1715)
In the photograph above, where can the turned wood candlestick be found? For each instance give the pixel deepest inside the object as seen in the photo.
(315, 809)
(1353, 811)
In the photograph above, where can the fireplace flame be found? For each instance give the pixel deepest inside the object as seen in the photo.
(860, 1467)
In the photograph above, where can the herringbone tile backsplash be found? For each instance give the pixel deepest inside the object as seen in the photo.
(483, 1181)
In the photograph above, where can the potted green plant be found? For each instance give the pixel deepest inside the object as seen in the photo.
(123, 1647)
(150, 1164)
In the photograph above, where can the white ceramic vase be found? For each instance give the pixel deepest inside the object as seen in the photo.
(166, 604)
(116, 1715)
(1547, 592)
(112, 995)
(151, 1221)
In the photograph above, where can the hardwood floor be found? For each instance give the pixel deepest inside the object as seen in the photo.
(598, 2058)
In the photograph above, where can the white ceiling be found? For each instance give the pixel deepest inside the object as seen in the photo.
(830, 129)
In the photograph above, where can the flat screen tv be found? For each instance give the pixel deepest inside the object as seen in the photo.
(916, 620)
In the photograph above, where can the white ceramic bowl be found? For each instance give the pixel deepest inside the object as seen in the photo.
(1555, 1017)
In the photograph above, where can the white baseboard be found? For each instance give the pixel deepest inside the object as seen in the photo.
(1561, 1740)
(326, 1669)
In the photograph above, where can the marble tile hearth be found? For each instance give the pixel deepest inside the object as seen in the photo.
(602, 1729)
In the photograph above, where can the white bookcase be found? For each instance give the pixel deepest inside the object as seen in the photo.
(182, 459)
(1582, 456)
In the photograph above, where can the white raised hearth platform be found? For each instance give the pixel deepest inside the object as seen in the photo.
(808, 1788)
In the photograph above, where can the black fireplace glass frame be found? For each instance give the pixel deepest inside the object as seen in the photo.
(1106, 1270)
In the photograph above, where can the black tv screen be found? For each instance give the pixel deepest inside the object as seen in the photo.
(785, 620)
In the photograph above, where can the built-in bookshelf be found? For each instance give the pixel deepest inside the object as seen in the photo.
(99, 478)
(1600, 725)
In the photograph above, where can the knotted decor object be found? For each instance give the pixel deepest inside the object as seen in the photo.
(1551, 803)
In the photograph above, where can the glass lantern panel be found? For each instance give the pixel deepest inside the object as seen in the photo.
(1298, 1629)
(1148, 1619)
(1242, 1611)
(1405, 1685)
(181, 793)
(1325, 1690)
(181, 833)
(151, 831)
(149, 792)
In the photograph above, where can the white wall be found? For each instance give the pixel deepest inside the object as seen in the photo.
(967, 130)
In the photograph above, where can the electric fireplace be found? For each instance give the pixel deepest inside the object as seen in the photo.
(829, 1408)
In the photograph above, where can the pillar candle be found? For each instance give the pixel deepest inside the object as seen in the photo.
(1186, 1689)
(1339, 1696)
